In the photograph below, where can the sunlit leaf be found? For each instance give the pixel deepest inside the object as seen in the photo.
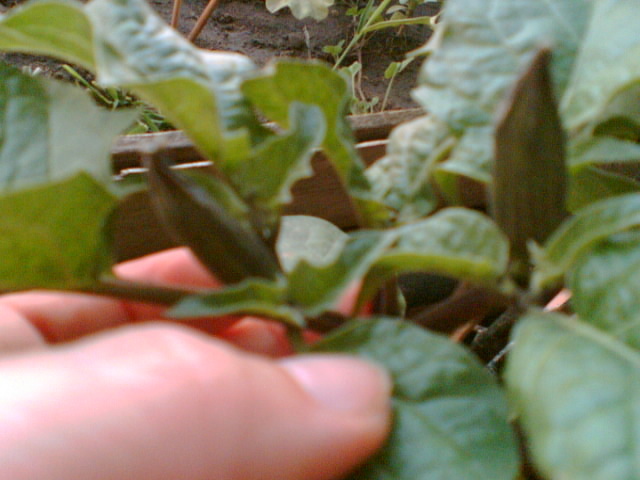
(316, 9)
(450, 417)
(576, 392)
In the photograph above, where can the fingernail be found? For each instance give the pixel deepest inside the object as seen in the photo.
(342, 383)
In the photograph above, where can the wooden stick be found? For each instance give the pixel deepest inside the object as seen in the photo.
(175, 13)
(203, 19)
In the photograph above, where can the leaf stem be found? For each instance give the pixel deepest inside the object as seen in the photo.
(138, 292)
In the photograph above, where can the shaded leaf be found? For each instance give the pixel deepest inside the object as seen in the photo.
(51, 236)
(450, 418)
(311, 239)
(49, 27)
(576, 391)
(50, 131)
(194, 218)
(250, 297)
(605, 283)
(590, 184)
(529, 178)
(591, 224)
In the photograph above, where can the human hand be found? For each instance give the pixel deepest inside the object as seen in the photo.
(149, 400)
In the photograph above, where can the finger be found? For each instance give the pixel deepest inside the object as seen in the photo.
(164, 403)
(60, 317)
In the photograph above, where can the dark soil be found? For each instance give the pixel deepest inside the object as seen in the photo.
(245, 26)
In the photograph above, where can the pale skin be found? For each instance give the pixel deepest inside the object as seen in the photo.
(96, 388)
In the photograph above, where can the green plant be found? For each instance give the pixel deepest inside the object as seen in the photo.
(555, 218)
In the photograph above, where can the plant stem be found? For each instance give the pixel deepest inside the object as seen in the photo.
(138, 292)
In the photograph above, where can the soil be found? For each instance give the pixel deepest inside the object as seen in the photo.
(245, 26)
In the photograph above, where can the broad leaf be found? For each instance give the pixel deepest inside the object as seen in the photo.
(402, 179)
(50, 27)
(589, 225)
(251, 297)
(604, 150)
(311, 239)
(450, 418)
(50, 130)
(51, 236)
(576, 391)
(266, 177)
(606, 287)
(316, 9)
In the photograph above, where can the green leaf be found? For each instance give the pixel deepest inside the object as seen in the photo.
(250, 297)
(197, 90)
(312, 83)
(266, 177)
(49, 27)
(402, 179)
(50, 131)
(450, 417)
(605, 285)
(316, 288)
(316, 9)
(51, 235)
(603, 150)
(576, 391)
(311, 239)
(593, 223)
(606, 63)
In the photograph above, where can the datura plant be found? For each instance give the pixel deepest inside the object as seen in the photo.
(536, 102)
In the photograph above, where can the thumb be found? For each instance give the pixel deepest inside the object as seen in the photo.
(163, 402)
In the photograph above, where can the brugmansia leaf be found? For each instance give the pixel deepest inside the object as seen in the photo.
(450, 417)
(529, 178)
(311, 239)
(576, 391)
(194, 218)
(51, 235)
(49, 131)
(49, 27)
(606, 287)
(316, 9)
(593, 223)
(250, 297)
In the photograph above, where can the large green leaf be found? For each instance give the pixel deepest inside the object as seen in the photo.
(311, 239)
(50, 27)
(195, 89)
(606, 287)
(476, 56)
(450, 417)
(593, 223)
(607, 62)
(576, 391)
(591, 184)
(50, 130)
(51, 236)
(402, 179)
